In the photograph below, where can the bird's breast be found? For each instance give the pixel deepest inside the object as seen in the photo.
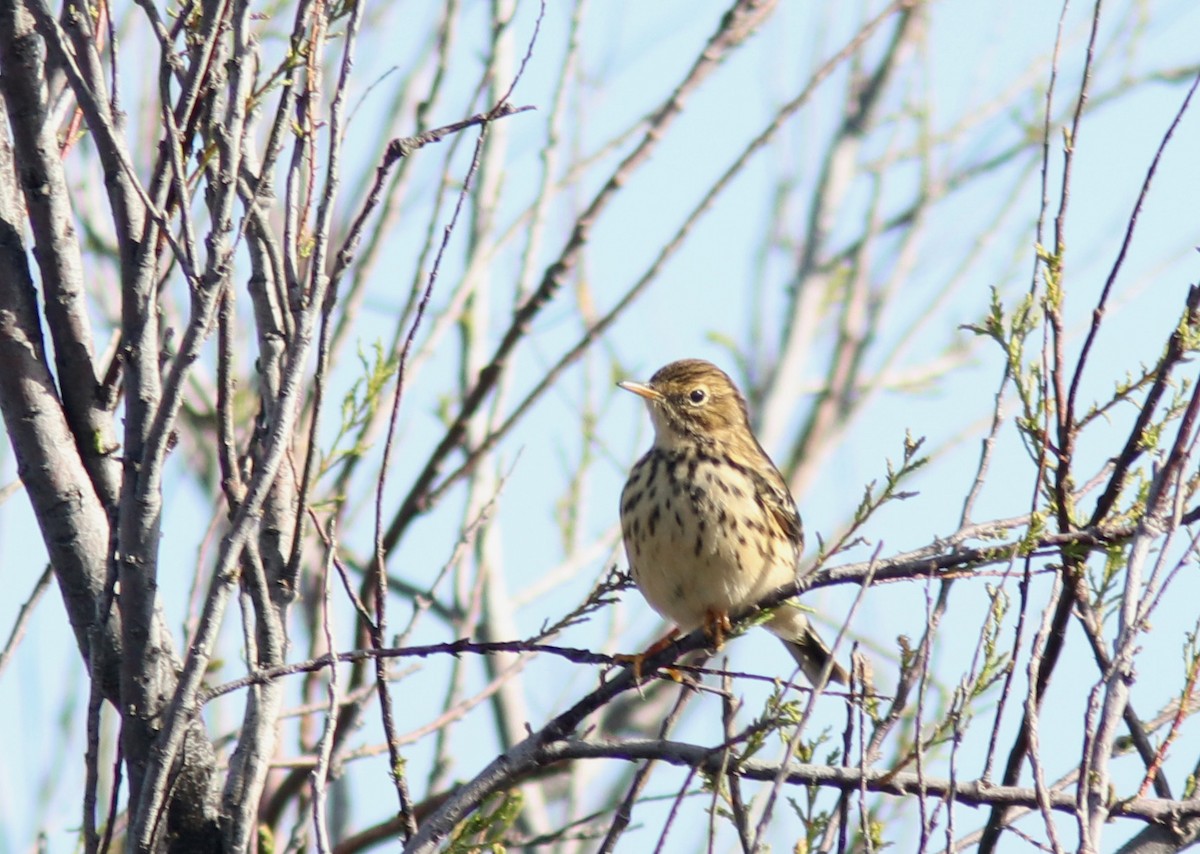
(699, 538)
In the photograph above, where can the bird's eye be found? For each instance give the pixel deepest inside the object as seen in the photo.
(697, 395)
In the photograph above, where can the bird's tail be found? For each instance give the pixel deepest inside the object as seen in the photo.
(791, 625)
(813, 656)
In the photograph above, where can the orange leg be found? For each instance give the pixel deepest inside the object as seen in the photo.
(717, 626)
(640, 658)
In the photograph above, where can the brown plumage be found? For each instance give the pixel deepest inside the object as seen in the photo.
(709, 525)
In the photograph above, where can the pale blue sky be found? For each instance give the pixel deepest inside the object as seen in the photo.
(635, 52)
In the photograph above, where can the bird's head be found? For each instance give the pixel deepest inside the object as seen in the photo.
(693, 401)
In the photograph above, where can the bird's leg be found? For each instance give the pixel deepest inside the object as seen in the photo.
(717, 626)
(654, 649)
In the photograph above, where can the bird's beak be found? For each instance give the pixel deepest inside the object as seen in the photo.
(641, 390)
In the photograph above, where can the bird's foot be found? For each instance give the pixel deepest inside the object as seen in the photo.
(717, 626)
(638, 660)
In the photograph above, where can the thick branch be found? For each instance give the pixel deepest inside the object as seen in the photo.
(57, 250)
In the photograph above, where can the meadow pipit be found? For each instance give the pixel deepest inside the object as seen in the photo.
(709, 525)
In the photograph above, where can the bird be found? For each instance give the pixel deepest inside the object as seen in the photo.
(709, 525)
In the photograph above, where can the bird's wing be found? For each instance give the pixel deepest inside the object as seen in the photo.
(781, 509)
